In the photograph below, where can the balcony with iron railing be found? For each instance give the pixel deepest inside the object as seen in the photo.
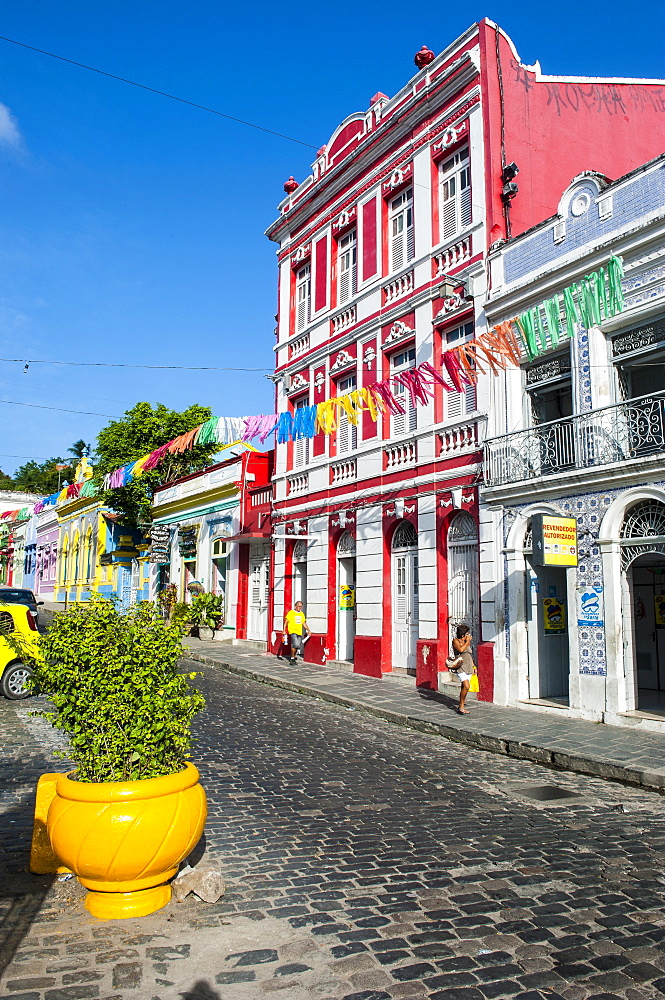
(618, 434)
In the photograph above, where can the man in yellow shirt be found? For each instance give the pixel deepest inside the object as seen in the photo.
(294, 624)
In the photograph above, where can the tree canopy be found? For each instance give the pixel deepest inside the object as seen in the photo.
(143, 429)
(41, 477)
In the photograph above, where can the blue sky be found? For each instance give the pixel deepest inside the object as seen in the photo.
(131, 227)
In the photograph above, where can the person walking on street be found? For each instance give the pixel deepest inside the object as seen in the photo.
(294, 624)
(463, 663)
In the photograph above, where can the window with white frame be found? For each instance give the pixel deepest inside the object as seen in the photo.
(460, 333)
(455, 194)
(347, 266)
(402, 246)
(303, 296)
(401, 423)
(301, 446)
(347, 432)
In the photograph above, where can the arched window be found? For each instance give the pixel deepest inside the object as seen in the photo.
(346, 545)
(463, 588)
(642, 531)
(406, 536)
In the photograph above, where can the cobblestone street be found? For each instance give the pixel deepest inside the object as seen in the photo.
(363, 861)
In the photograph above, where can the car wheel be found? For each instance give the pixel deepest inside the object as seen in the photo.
(14, 680)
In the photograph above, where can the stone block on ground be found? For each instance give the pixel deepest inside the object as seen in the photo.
(205, 881)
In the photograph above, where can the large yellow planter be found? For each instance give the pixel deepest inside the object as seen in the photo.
(125, 839)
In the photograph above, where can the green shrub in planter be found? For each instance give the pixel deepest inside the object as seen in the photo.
(112, 678)
(207, 610)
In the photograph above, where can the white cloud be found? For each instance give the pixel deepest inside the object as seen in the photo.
(9, 130)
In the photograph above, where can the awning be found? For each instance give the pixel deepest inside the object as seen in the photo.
(246, 536)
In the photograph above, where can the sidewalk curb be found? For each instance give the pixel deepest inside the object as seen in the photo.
(598, 767)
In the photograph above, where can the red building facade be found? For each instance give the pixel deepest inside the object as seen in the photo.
(381, 268)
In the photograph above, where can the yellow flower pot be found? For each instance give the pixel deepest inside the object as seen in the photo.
(125, 839)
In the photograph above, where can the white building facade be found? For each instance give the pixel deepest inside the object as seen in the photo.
(579, 432)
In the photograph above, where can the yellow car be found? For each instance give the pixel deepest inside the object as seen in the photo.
(17, 621)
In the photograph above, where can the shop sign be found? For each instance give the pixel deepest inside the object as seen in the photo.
(347, 597)
(554, 540)
(187, 541)
(590, 606)
(554, 616)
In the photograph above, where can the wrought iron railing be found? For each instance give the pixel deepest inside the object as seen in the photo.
(613, 434)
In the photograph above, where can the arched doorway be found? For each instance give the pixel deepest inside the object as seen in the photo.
(642, 541)
(405, 589)
(463, 585)
(300, 573)
(346, 596)
(546, 615)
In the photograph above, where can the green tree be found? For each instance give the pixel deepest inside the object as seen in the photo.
(41, 478)
(140, 431)
(6, 482)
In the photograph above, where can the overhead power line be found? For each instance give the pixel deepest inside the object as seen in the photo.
(154, 90)
(108, 364)
(37, 406)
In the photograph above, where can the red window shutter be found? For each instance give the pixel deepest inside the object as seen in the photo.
(369, 239)
(321, 276)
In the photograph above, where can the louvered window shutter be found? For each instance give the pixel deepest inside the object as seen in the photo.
(303, 295)
(256, 583)
(410, 239)
(449, 208)
(397, 243)
(454, 400)
(401, 588)
(347, 267)
(470, 395)
(465, 197)
(415, 583)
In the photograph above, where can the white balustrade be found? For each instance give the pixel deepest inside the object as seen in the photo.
(399, 455)
(452, 256)
(398, 287)
(299, 346)
(343, 319)
(343, 472)
(298, 484)
(263, 496)
(461, 437)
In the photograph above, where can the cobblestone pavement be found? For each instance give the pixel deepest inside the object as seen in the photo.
(626, 753)
(363, 861)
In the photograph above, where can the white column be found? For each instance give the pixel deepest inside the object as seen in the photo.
(369, 570)
(427, 612)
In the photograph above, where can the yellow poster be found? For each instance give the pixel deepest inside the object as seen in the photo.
(554, 616)
(347, 596)
(659, 600)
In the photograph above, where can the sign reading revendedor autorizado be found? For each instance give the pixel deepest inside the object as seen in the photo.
(554, 540)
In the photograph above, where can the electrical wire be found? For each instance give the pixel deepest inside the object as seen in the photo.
(153, 90)
(60, 409)
(62, 392)
(108, 364)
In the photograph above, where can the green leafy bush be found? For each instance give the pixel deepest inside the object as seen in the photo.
(112, 678)
(181, 616)
(207, 610)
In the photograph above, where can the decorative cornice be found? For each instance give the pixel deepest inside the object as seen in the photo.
(398, 177)
(343, 360)
(398, 331)
(379, 175)
(344, 219)
(298, 383)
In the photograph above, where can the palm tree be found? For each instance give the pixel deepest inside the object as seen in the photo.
(79, 449)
